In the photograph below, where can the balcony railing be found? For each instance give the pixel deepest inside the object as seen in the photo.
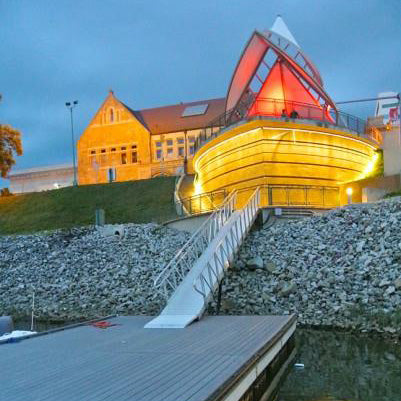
(285, 111)
(271, 195)
(202, 203)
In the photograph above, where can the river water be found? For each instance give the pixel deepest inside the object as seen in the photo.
(340, 366)
(337, 367)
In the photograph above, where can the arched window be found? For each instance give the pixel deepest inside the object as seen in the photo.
(111, 115)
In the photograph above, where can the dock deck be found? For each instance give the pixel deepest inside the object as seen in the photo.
(205, 361)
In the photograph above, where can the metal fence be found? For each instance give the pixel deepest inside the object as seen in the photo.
(273, 195)
(285, 111)
(201, 203)
(174, 272)
(222, 255)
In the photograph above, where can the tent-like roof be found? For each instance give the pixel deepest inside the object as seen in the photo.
(273, 76)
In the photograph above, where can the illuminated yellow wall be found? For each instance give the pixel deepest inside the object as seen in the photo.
(107, 139)
(116, 139)
(263, 152)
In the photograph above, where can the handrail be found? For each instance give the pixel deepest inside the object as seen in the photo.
(273, 108)
(208, 278)
(195, 204)
(171, 276)
(268, 190)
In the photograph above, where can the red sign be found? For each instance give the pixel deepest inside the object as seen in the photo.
(393, 114)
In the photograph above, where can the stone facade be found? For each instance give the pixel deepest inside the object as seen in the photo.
(121, 144)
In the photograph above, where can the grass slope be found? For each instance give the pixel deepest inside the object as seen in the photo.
(136, 201)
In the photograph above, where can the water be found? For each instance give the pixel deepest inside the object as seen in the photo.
(341, 367)
(338, 367)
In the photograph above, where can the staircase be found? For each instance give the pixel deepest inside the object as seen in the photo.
(191, 277)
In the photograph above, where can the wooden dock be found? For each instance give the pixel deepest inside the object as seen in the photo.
(217, 358)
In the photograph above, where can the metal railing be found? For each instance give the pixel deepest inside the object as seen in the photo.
(307, 196)
(171, 276)
(223, 254)
(166, 167)
(202, 203)
(285, 111)
(276, 195)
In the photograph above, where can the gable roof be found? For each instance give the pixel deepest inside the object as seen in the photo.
(161, 120)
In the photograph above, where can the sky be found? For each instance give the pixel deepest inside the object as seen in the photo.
(160, 52)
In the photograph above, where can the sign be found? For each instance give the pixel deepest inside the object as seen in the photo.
(394, 116)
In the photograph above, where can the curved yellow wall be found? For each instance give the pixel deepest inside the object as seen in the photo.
(282, 153)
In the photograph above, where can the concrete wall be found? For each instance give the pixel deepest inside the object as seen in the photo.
(41, 179)
(371, 189)
(392, 151)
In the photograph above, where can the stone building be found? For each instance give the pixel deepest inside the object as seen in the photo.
(121, 144)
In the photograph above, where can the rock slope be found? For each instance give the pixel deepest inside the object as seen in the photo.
(340, 269)
(80, 273)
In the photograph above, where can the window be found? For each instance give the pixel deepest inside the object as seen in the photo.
(159, 154)
(123, 147)
(180, 140)
(93, 152)
(191, 139)
(111, 115)
(113, 149)
(103, 157)
(133, 147)
(134, 157)
(191, 150)
(195, 110)
(123, 158)
(169, 142)
(170, 151)
(181, 151)
(111, 174)
(158, 144)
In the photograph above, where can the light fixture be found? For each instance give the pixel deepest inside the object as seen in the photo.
(349, 191)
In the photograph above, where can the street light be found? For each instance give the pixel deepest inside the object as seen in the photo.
(71, 105)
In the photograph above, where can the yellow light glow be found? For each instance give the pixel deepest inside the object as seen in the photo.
(370, 166)
(349, 191)
(198, 187)
(283, 156)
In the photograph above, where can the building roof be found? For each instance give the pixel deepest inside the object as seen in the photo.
(161, 120)
(41, 169)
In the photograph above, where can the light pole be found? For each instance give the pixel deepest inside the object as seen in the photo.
(71, 105)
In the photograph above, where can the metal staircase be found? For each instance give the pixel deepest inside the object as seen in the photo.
(189, 280)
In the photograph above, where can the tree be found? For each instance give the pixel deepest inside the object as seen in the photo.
(5, 192)
(10, 145)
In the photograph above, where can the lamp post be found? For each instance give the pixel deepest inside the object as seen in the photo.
(70, 106)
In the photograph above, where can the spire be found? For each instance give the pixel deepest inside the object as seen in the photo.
(281, 28)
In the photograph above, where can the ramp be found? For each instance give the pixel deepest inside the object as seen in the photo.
(189, 280)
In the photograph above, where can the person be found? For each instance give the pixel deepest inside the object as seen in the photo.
(283, 113)
(294, 114)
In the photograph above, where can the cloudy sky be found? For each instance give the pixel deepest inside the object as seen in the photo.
(159, 52)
